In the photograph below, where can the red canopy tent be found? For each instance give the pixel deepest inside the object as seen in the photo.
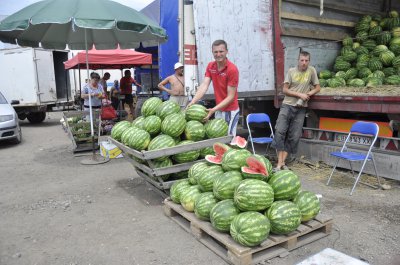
(109, 59)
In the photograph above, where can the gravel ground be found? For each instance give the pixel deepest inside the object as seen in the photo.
(54, 210)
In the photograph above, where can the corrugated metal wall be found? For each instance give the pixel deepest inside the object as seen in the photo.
(246, 26)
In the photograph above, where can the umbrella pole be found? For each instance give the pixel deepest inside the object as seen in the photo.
(80, 88)
(95, 159)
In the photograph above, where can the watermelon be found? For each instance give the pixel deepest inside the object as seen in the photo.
(182, 174)
(387, 57)
(159, 142)
(219, 150)
(362, 26)
(139, 140)
(362, 36)
(203, 205)
(235, 159)
(336, 82)
(393, 13)
(364, 72)
(388, 71)
(166, 108)
(342, 66)
(384, 37)
(152, 124)
(207, 151)
(393, 80)
(187, 156)
(325, 74)
(379, 49)
(196, 112)
(375, 31)
(173, 125)
(119, 128)
(250, 228)
(189, 196)
(160, 164)
(375, 64)
(284, 217)
(239, 142)
(361, 50)
(177, 188)
(150, 106)
(224, 185)
(308, 204)
(195, 171)
(374, 82)
(285, 184)
(207, 177)
(222, 214)
(126, 135)
(347, 41)
(369, 44)
(216, 128)
(139, 122)
(194, 131)
(356, 82)
(341, 74)
(256, 168)
(253, 195)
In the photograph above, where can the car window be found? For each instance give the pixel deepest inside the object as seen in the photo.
(2, 99)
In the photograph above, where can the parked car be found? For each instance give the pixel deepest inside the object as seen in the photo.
(9, 122)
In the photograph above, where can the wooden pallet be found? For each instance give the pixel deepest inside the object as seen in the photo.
(234, 253)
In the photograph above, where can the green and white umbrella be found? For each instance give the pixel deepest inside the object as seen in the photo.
(54, 24)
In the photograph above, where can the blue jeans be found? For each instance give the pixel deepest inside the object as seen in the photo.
(288, 128)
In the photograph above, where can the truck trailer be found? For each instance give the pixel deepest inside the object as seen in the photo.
(35, 81)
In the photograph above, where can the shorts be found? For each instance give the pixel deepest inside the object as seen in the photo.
(231, 117)
(288, 128)
(181, 100)
(128, 99)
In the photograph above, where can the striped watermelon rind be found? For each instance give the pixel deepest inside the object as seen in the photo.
(150, 106)
(139, 140)
(189, 196)
(216, 128)
(195, 131)
(253, 195)
(286, 184)
(222, 214)
(235, 159)
(195, 171)
(208, 176)
(166, 108)
(187, 156)
(119, 128)
(308, 204)
(225, 185)
(203, 205)
(160, 164)
(139, 122)
(284, 217)
(152, 125)
(196, 112)
(160, 142)
(173, 125)
(250, 228)
(177, 188)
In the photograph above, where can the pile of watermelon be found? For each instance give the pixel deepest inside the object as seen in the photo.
(369, 58)
(163, 125)
(239, 194)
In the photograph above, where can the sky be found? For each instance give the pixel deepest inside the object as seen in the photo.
(8, 7)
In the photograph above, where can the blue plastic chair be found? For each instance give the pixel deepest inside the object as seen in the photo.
(368, 129)
(259, 118)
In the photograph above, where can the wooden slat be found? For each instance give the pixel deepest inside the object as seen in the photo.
(126, 149)
(320, 20)
(232, 252)
(313, 34)
(175, 168)
(332, 5)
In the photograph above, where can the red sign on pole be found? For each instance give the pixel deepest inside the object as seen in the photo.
(190, 55)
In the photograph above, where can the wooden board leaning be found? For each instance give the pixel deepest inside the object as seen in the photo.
(234, 253)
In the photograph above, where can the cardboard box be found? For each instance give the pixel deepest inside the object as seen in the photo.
(110, 150)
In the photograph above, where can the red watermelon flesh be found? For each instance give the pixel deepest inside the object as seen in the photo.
(256, 165)
(239, 142)
(220, 149)
(214, 159)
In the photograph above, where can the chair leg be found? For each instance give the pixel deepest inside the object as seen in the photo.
(351, 168)
(329, 179)
(358, 177)
(252, 146)
(376, 172)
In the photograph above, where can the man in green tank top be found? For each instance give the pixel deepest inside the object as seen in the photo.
(300, 84)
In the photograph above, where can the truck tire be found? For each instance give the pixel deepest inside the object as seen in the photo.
(36, 117)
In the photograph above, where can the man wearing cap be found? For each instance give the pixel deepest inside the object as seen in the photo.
(176, 82)
(225, 78)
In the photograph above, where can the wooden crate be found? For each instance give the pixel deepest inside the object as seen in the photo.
(150, 173)
(234, 253)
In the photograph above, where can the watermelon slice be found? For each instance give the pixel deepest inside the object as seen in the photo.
(239, 142)
(219, 150)
(256, 169)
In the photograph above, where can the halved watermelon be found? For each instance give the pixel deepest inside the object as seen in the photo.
(256, 169)
(239, 142)
(219, 150)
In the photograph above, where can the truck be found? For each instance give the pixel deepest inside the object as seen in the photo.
(264, 39)
(35, 81)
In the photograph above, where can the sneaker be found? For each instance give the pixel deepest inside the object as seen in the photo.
(276, 169)
(285, 167)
